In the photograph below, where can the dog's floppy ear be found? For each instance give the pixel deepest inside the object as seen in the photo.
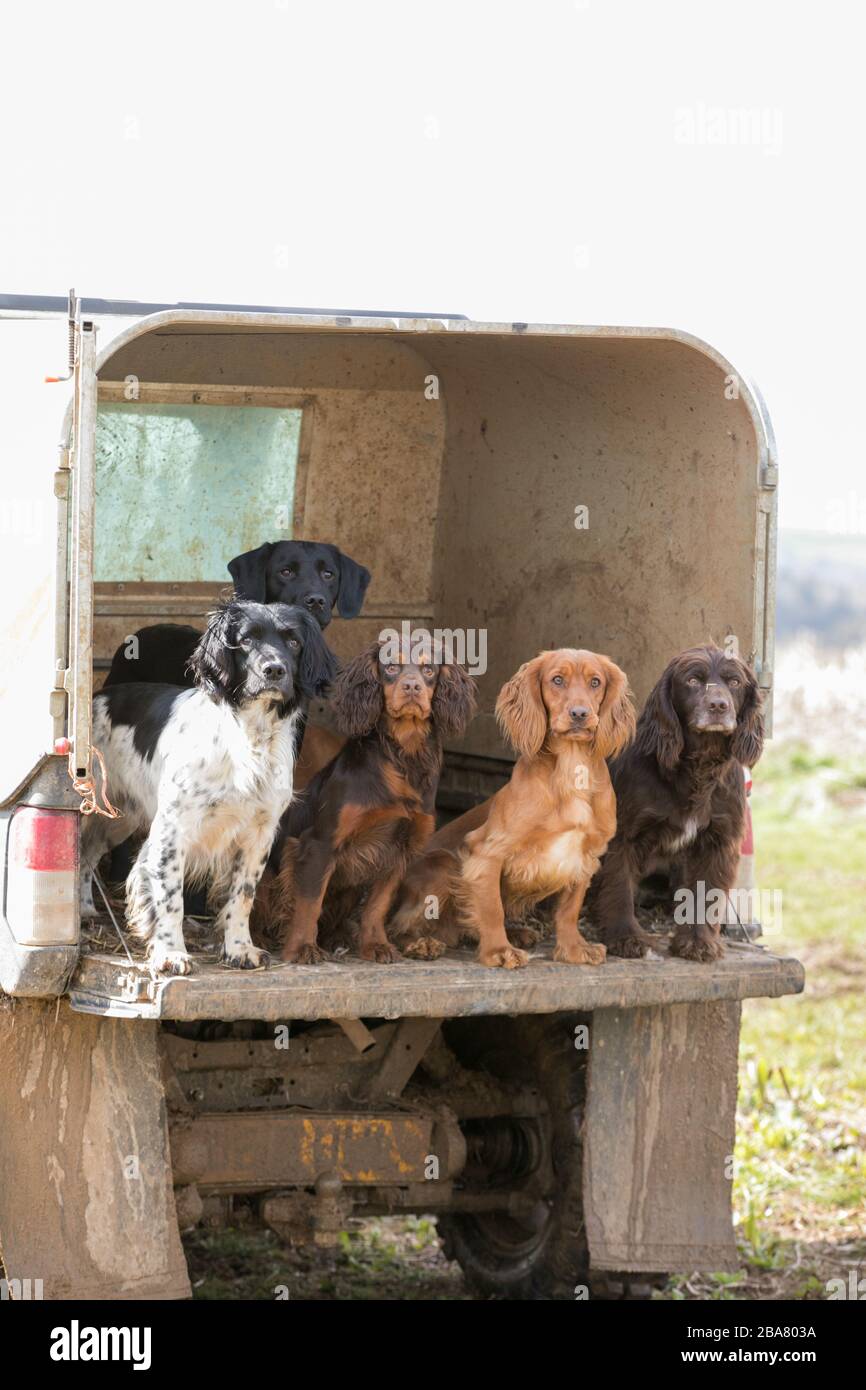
(354, 579)
(249, 573)
(357, 699)
(616, 718)
(520, 710)
(453, 700)
(659, 731)
(318, 665)
(212, 664)
(747, 744)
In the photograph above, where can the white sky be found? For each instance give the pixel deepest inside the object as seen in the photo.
(561, 160)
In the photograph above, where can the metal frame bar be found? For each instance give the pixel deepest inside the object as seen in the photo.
(54, 306)
(62, 493)
(79, 678)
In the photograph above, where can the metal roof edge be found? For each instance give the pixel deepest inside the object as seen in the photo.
(431, 324)
(19, 304)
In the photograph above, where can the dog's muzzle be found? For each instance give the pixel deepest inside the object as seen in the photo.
(725, 725)
(318, 607)
(271, 677)
(413, 707)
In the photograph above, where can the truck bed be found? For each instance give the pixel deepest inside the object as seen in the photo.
(454, 986)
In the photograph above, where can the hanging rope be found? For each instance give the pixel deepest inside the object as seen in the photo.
(86, 788)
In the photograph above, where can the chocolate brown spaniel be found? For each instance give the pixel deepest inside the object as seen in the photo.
(681, 799)
(348, 839)
(564, 713)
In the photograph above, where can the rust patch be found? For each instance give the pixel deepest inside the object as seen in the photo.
(238, 1150)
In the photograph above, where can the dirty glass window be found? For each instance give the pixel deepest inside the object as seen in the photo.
(180, 489)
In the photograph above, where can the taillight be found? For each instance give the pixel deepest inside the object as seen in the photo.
(42, 877)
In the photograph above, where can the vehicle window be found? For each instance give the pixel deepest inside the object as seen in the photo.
(182, 488)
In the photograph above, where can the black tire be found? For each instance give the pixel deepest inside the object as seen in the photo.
(543, 1253)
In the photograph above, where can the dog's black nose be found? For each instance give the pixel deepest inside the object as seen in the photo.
(315, 603)
(578, 713)
(274, 670)
(718, 704)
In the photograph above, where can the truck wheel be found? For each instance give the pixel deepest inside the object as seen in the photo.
(539, 1252)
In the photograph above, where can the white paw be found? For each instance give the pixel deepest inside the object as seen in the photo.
(243, 955)
(170, 962)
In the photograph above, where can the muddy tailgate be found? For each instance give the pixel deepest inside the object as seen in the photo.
(455, 986)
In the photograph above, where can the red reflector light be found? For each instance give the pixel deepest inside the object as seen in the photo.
(46, 840)
(748, 845)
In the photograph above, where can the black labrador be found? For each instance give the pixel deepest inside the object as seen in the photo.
(310, 574)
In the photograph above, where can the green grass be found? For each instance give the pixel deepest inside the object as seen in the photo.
(800, 1169)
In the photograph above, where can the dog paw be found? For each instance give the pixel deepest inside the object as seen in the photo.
(245, 957)
(628, 945)
(527, 937)
(426, 948)
(580, 953)
(308, 953)
(170, 962)
(507, 957)
(380, 952)
(700, 945)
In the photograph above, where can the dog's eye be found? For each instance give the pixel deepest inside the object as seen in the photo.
(693, 680)
(558, 680)
(733, 680)
(293, 643)
(428, 671)
(393, 669)
(289, 572)
(595, 682)
(327, 574)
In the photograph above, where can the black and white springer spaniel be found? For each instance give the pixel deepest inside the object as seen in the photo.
(207, 773)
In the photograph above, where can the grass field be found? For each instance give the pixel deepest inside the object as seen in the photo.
(800, 1173)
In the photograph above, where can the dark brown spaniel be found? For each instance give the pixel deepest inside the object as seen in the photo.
(348, 839)
(680, 800)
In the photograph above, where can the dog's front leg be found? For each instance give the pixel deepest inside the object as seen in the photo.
(479, 893)
(612, 904)
(234, 916)
(154, 896)
(709, 873)
(314, 865)
(572, 947)
(373, 943)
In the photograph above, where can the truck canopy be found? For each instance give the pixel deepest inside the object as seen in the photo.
(510, 486)
(597, 487)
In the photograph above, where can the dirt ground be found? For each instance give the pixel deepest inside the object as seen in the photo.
(400, 1259)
